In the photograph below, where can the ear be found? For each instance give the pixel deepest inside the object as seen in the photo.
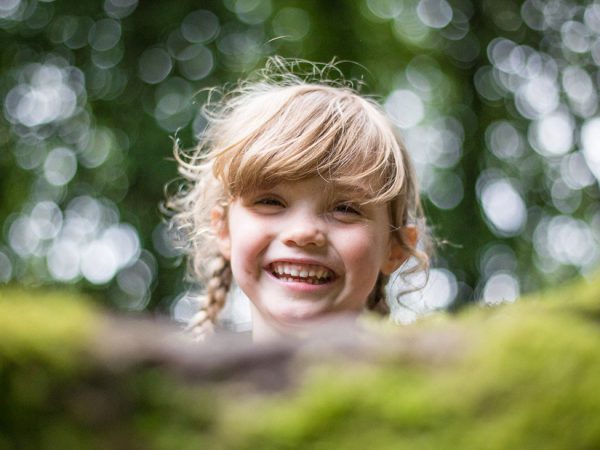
(218, 222)
(397, 252)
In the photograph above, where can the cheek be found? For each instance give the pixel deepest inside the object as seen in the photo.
(363, 253)
(244, 262)
(248, 240)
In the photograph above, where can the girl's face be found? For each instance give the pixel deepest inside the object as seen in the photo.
(303, 250)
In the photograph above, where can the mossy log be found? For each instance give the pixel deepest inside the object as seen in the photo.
(519, 376)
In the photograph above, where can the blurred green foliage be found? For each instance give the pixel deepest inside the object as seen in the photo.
(497, 103)
(515, 376)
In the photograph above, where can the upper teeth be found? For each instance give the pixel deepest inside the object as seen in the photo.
(300, 270)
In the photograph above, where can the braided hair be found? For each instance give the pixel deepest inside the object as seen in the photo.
(217, 287)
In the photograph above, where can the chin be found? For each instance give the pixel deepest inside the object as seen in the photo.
(300, 318)
(304, 320)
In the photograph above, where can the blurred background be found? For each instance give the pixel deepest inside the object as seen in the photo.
(497, 102)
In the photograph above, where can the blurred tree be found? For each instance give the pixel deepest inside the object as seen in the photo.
(497, 103)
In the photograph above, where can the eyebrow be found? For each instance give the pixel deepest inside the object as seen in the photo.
(334, 190)
(354, 191)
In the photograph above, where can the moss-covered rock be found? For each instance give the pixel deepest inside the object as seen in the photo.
(525, 375)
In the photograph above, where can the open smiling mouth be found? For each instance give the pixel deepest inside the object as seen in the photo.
(302, 273)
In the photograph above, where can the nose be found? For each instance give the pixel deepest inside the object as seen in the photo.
(304, 231)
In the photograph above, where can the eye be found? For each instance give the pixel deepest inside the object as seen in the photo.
(269, 202)
(348, 209)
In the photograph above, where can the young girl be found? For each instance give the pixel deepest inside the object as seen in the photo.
(303, 195)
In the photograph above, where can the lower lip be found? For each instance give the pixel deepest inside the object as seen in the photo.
(299, 286)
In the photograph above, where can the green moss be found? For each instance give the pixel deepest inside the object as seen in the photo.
(47, 327)
(526, 378)
(523, 375)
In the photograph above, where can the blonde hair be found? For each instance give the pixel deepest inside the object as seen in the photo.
(283, 127)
